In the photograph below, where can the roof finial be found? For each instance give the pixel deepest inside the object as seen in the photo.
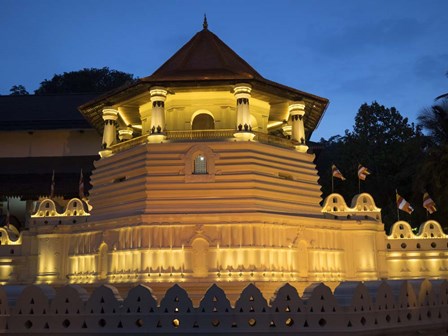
(205, 24)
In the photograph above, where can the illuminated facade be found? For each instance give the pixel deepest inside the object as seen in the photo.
(205, 177)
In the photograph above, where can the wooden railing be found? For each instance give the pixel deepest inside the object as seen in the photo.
(273, 140)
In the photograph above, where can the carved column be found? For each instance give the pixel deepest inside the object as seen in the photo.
(110, 116)
(297, 112)
(157, 130)
(243, 124)
(125, 133)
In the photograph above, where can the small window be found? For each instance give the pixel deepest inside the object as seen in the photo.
(200, 165)
(203, 121)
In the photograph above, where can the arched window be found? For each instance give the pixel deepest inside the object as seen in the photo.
(200, 164)
(203, 121)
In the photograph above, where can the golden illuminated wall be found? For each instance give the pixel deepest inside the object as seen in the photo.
(226, 248)
(257, 250)
(420, 255)
(242, 222)
(241, 177)
(254, 216)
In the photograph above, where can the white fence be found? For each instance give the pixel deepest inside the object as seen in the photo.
(377, 307)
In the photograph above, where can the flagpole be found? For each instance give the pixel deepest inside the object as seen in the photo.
(359, 185)
(52, 186)
(332, 183)
(398, 209)
(8, 214)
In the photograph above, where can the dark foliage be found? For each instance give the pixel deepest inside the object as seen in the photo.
(18, 90)
(433, 172)
(85, 81)
(384, 142)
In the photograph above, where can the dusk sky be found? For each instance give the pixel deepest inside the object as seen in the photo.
(351, 52)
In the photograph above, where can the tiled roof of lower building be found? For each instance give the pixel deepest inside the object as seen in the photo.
(48, 112)
(30, 178)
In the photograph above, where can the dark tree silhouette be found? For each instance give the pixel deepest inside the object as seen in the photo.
(85, 81)
(433, 172)
(389, 146)
(18, 90)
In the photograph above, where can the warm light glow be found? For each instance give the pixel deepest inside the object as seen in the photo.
(274, 124)
(158, 93)
(110, 113)
(298, 108)
(242, 88)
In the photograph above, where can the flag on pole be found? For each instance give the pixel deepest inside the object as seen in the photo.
(337, 173)
(362, 172)
(404, 205)
(81, 185)
(428, 203)
(52, 186)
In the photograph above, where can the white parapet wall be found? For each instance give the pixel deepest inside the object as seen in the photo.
(370, 308)
(420, 255)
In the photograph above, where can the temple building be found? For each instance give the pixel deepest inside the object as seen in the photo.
(205, 178)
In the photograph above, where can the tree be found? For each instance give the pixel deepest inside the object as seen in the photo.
(435, 121)
(18, 90)
(389, 146)
(433, 171)
(84, 81)
(445, 95)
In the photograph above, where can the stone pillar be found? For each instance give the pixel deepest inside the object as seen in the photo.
(297, 112)
(125, 133)
(243, 124)
(110, 116)
(157, 130)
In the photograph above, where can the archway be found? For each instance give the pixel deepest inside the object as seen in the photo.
(203, 121)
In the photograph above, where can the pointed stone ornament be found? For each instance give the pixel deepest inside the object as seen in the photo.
(205, 23)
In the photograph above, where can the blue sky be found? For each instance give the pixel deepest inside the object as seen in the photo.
(351, 52)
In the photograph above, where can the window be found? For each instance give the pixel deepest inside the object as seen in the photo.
(203, 121)
(200, 165)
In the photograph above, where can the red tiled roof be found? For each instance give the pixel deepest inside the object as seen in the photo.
(204, 57)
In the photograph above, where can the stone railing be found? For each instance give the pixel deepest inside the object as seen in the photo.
(203, 135)
(273, 140)
(122, 146)
(200, 134)
(369, 308)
